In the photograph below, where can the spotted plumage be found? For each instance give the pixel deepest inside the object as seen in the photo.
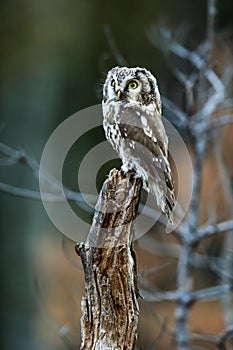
(133, 125)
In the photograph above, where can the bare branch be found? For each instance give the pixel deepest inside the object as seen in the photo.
(227, 75)
(7, 161)
(20, 156)
(224, 120)
(210, 35)
(110, 309)
(172, 250)
(215, 228)
(26, 193)
(158, 296)
(211, 293)
(48, 197)
(200, 149)
(171, 106)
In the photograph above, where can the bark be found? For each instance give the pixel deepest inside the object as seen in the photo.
(110, 308)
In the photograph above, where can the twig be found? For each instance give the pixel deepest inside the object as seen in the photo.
(172, 107)
(188, 298)
(210, 35)
(224, 120)
(48, 197)
(200, 149)
(215, 228)
(7, 161)
(215, 292)
(20, 157)
(158, 296)
(172, 250)
(26, 193)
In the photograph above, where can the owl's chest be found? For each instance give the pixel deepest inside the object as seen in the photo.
(111, 127)
(112, 133)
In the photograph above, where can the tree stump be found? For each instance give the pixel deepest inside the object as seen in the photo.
(109, 308)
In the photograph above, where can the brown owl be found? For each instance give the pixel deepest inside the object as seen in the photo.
(133, 125)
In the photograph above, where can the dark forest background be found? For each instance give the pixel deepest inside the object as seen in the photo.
(54, 57)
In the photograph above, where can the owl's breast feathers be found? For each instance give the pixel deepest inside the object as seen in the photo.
(137, 133)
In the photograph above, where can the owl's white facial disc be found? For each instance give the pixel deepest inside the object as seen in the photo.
(121, 87)
(133, 85)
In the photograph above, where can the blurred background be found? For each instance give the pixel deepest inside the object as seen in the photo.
(54, 57)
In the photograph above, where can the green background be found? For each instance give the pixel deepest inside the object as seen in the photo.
(54, 57)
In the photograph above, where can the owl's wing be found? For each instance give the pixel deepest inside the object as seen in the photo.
(145, 146)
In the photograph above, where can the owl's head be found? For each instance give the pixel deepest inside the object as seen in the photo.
(136, 85)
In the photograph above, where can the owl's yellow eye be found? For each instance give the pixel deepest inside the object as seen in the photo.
(113, 83)
(133, 84)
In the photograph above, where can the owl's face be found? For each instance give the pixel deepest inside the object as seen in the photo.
(136, 85)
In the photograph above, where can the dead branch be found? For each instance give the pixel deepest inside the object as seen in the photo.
(210, 230)
(109, 308)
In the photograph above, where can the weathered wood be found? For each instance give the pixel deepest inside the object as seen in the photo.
(110, 308)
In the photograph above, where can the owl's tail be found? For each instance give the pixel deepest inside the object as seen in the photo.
(164, 198)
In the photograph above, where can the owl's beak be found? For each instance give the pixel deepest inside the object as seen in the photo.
(119, 95)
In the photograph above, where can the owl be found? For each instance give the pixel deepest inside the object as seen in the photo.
(133, 125)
